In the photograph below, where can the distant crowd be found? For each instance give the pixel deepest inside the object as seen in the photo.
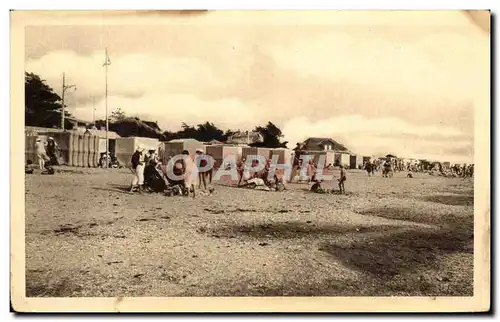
(394, 165)
(182, 173)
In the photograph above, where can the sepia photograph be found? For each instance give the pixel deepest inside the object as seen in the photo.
(281, 157)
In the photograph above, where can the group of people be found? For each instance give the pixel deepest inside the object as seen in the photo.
(143, 167)
(464, 171)
(150, 176)
(47, 153)
(246, 177)
(389, 166)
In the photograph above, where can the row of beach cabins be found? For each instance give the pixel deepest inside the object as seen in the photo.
(85, 148)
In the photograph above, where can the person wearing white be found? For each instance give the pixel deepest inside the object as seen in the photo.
(190, 172)
(41, 153)
(138, 164)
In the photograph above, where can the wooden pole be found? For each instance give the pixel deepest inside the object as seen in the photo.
(62, 98)
(106, 99)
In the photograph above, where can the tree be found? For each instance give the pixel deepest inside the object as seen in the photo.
(208, 131)
(202, 132)
(227, 135)
(133, 126)
(271, 135)
(117, 115)
(42, 105)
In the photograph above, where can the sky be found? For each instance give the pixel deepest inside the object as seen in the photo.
(405, 83)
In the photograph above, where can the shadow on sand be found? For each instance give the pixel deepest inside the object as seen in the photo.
(290, 230)
(398, 253)
(452, 200)
(116, 189)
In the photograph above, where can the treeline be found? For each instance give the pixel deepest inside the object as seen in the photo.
(205, 132)
(43, 107)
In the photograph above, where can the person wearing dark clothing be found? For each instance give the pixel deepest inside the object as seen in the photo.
(153, 181)
(52, 151)
(369, 168)
(138, 170)
(201, 163)
(342, 179)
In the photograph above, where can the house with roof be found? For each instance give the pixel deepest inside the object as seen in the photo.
(246, 137)
(78, 124)
(323, 144)
(153, 125)
(112, 137)
(335, 152)
(213, 142)
(176, 146)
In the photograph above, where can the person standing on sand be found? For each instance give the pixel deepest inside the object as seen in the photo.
(369, 168)
(41, 153)
(52, 151)
(242, 172)
(138, 164)
(210, 171)
(190, 172)
(201, 162)
(342, 179)
(311, 171)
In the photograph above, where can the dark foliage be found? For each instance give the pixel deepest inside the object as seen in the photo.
(272, 135)
(42, 104)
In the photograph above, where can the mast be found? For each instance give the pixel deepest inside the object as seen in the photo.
(62, 99)
(106, 102)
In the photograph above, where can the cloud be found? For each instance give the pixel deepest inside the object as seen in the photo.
(131, 74)
(406, 83)
(172, 109)
(443, 64)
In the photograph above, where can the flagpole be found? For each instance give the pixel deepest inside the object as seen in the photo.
(62, 98)
(106, 102)
(93, 110)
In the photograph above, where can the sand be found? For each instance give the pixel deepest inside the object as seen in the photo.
(87, 236)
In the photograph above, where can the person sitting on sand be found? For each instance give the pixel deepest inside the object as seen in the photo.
(28, 168)
(317, 188)
(151, 173)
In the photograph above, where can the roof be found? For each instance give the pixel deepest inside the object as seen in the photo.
(154, 125)
(102, 134)
(42, 129)
(213, 142)
(184, 141)
(253, 136)
(318, 141)
(70, 118)
(140, 123)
